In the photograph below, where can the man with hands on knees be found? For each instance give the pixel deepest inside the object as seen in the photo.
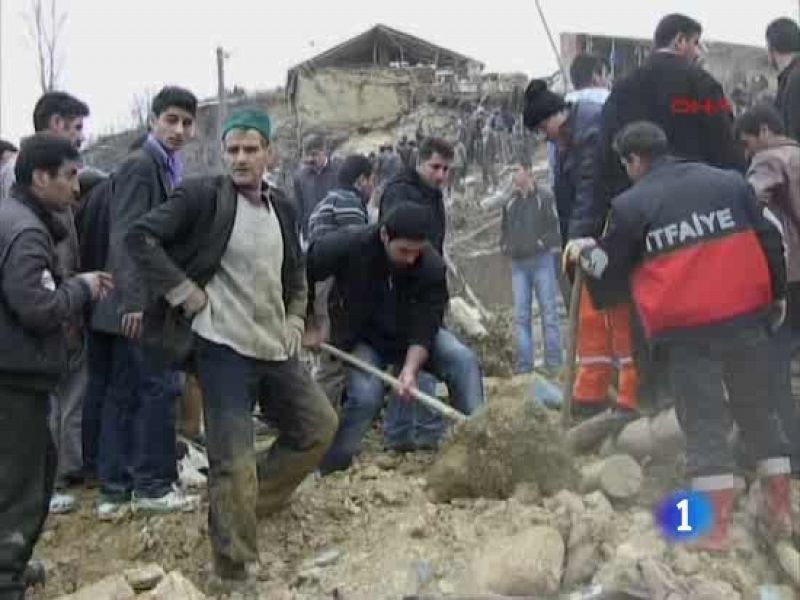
(674, 236)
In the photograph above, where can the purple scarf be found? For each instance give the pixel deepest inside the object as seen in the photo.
(171, 160)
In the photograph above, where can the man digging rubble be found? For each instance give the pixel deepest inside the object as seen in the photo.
(393, 295)
(675, 234)
(224, 257)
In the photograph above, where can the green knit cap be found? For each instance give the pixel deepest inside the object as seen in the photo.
(249, 119)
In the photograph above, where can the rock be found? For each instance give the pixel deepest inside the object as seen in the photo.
(386, 461)
(527, 493)
(505, 443)
(528, 563)
(686, 563)
(309, 576)
(789, 559)
(582, 564)
(327, 558)
(619, 477)
(661, 582)
(111, 588)
(371, 472)
(641, 546)
(636, 439)
(145, 578)
(776, 592)
(390, 497)
(713, 590)
(467, 317)
(174, 587)
(597, 502)
(567, 500)
(668, 438)
(276, 591)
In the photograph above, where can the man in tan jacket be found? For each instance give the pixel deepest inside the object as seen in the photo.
(774, 174)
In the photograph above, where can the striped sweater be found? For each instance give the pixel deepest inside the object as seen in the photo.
(342, 207)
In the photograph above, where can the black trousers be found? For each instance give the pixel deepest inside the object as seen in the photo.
(27, 472)
(700, 373)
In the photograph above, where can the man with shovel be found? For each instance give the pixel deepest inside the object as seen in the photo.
(393, 292)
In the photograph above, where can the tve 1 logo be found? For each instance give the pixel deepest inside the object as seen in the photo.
(685, 516)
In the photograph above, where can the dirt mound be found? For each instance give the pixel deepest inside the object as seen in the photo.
(511, 441)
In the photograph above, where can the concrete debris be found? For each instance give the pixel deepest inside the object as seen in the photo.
(619, 477)
(467, 318)
(145, 578)
(175, 587)
(114, 587)
(505, 443)
(789, 559)
(713, 590)
(529, 563)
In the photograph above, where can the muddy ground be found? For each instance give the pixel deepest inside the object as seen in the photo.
(372, 533)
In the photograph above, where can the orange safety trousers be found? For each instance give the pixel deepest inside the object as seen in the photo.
(604, 341)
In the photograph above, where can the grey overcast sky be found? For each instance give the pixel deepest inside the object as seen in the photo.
(115, 49)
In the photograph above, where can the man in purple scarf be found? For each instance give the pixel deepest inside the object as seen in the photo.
(136, 450)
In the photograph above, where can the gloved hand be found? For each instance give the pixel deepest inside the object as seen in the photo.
(295, 327)
(777, 314)
(574, 249)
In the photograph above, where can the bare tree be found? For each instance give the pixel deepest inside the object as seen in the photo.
(45, 25)
(140, 108)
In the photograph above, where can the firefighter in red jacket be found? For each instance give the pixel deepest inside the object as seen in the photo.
(707, 275)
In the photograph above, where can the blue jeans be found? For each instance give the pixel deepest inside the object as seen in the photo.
(136, 451)
(242, 484)
(450, 360)
(538, 274)
(99, 350)
(409, 425)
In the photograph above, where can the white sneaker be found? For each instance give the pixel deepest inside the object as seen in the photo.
(107, 510)
(61, 504)
(174, 501)
(189, 476)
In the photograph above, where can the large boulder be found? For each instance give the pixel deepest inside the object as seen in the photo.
(507, 442)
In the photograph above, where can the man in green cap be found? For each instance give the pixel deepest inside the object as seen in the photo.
(223, 257)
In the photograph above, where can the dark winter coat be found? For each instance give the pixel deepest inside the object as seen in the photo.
(357, 258)
(186, 237)
(529, 226)
(702, 258)
(409, 187)
(685, 101)
(139, 185)
(36, 300)
(311, 186)
(788, 98)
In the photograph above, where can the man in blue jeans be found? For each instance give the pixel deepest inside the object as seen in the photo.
(530, 236)
(137, 465)
(393, 291)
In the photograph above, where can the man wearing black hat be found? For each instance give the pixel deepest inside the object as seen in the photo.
(604, 336)
(223, 257)
(393, 291)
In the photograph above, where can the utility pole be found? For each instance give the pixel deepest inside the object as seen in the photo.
(553, 45)
(221, 100)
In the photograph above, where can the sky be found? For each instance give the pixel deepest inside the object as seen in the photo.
(115, 50)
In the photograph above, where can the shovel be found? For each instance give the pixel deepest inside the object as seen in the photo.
(572, 347)
(429, 401)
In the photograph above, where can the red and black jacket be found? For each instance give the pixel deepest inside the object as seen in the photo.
(700, 253)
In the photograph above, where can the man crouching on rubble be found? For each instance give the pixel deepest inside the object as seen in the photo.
(393, 291)
(224, 254)
(707, 274)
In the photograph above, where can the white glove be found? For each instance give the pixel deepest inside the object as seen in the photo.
(777, 314)
(593, 261)
(573, 250)
(295, 328)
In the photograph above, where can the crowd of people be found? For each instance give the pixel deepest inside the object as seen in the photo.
(122, 293)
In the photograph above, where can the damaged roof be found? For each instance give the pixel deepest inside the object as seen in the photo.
(382, 46)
